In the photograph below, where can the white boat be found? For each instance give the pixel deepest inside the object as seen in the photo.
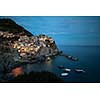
(80, 70)
(67, 69)
(64, 74)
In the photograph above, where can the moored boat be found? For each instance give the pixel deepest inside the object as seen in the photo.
(79, 70)
(67, 70)
(64, 74)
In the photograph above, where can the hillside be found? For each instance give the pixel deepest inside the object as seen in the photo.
(18, 46)
(10, 26)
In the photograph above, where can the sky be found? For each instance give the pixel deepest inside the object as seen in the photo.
(65, 30)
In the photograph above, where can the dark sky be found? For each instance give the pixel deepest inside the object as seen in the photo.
(65, 30)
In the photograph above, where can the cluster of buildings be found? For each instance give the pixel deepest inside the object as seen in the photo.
(28, 47)
(6, 35)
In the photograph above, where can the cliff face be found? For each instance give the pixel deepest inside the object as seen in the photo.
(20, 45)
(8, 25)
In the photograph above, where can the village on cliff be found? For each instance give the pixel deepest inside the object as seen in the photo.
(30, 47)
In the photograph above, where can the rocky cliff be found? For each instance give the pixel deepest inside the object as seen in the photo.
(8, 25)
(19, 45)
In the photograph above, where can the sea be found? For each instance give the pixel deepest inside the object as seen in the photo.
(89, 61)
(75, 36)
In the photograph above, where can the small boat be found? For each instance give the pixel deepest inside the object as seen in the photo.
(67, 70)
(69, 57)
(61, 67)
(79, 70)
(74, 59)
(64, 74)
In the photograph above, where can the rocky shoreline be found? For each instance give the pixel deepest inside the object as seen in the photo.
(18, 46)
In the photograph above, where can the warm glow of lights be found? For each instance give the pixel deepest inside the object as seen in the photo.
(17, 71)
(18, 47)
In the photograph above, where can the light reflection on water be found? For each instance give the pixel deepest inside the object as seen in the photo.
(17, 71)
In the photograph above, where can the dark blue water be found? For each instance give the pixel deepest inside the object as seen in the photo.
(69, 30)
(89, 58)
